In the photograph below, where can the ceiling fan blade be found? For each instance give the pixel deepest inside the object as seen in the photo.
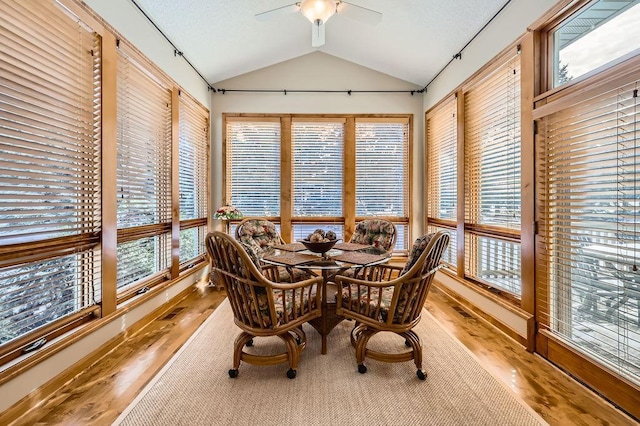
(358, 13)
(317, 34)
(273, 13)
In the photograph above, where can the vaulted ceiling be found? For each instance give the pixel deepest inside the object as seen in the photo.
(413, 41)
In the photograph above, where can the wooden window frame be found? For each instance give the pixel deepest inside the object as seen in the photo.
(546, 101)
(348, 218)
(166, 207)
(475, 229)
(529, 57)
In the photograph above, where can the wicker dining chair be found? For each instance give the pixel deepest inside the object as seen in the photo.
(257, 234)
(262, 307)
(379, 233)
(390, 298)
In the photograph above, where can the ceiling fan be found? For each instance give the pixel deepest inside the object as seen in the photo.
(319, 11)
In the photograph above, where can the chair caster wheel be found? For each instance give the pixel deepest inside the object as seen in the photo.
(362, 368)
(421, 374)
(291, 373)
(407, 343)
(233, 373)
(249, 343)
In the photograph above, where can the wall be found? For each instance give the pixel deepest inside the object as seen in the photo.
(319, 71)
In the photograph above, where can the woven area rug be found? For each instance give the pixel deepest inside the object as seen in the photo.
(195, 389)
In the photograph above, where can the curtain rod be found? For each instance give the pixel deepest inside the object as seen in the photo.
(286, 91)
(176, 51)
(459, 54)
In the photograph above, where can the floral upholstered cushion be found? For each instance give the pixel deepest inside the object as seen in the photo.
(419, 245)
(350, 298)
(377, 232)
(251, 251)
(285, 275)
(370, 309)
(256, 235)
(292, 275)
(285, 311)
(259, 234)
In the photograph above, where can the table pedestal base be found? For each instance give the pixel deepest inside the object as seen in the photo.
(326, 323)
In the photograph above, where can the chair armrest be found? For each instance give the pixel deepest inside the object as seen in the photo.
(378, 272)
(299, 284)
(344, 281)
(363, 287)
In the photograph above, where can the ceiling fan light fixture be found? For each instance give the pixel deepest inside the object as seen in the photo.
(318, 10)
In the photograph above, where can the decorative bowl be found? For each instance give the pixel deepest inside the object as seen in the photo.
(319, 247)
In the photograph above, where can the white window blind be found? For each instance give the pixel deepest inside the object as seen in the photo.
(49, 133)
(253, 167)
(442, 174)
(442, 163)
(317, 168)
(194, 159)
(492, 178)
(49, 168)
(382, 172)
(589, 189)
(301, 231)
(144, 146)
(143, 171)
(193, 177)
(382, 169)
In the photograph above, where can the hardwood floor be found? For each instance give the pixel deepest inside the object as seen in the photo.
(99, 394)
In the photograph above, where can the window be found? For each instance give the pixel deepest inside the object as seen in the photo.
(317, 169)
(144, 173)
(442, 174)
(589, 289)
(492, 178)
(317, 175)
(304, 172)
(193, 172)
(59, 216)
(601, 33)
(50, 192)
(382, 163)
(253, 167)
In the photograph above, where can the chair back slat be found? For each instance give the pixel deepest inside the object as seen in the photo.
(408, 300)
(431, 263)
